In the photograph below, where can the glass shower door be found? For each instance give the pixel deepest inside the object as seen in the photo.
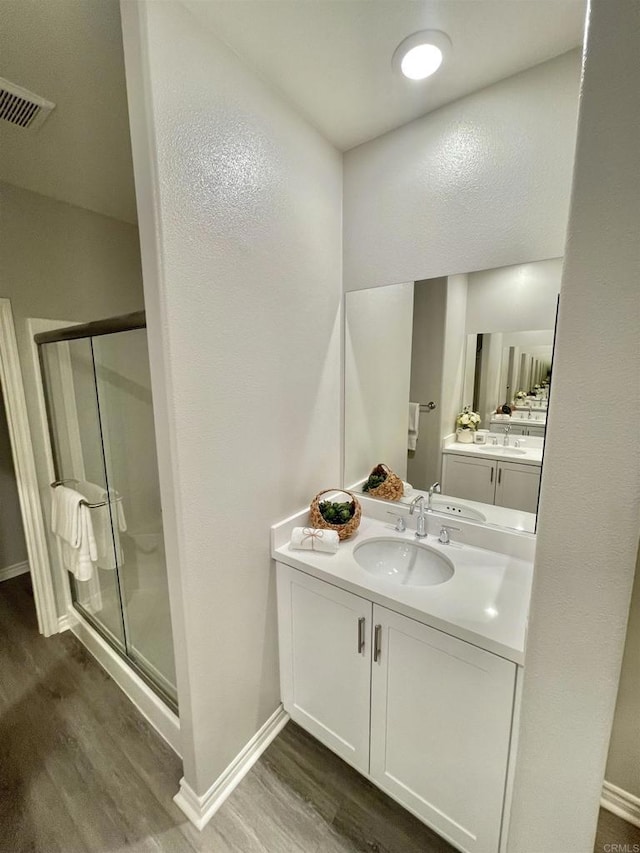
(76, 436)
(123, 385)
(98, 392)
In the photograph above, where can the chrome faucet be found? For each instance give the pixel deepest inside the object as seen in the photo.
(529, 411)
(505, 440)
(421, 532)
(434, 488)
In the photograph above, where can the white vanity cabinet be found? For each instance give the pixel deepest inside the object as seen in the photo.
(441, 712)
(469, 477)
(424, 715)
(325, 662)
(508, 484)
(517, 486)
(535, 430)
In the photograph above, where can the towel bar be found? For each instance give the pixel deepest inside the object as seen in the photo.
(57, 483)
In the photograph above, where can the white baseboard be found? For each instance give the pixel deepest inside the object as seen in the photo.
(14, 571)
(621, 803)
(152, 708)
(200, 810)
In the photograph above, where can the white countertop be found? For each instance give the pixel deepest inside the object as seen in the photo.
(532, 450)
(485, 603)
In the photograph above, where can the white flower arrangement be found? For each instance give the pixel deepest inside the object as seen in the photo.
(468, 419)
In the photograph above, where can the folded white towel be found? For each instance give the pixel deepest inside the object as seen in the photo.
(407, 488)
(414, 423)
(71, 523)
(313, 539)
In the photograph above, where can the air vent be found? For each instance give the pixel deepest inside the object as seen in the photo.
(21, 107)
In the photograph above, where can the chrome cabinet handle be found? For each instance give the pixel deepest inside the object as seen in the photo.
(377, 642)
(491, 480)
(361, 621)
(499, 475)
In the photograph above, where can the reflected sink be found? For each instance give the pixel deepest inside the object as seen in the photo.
(505, 451)
(403, 562)
(452, 507)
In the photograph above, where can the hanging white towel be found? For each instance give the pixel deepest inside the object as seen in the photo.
(108, 542)
(71, 523)
(414, 423)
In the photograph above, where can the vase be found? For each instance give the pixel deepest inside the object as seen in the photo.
(465, 436)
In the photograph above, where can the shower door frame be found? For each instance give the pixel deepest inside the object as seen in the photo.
(94, 329)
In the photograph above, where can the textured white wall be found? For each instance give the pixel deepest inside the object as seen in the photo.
(244, 298)
(480, 183)
(59, 261)
(588, 520)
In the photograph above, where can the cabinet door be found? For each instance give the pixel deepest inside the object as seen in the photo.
(536, 431)
(469, 477)
(441, 713)
(325, 662)
(517, 486)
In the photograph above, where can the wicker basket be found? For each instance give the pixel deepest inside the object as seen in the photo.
(391, 489)
(316, 518)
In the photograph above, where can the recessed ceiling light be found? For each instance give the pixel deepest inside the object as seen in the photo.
(421, 54)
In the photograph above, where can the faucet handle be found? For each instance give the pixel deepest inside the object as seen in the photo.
(401, 524)
(444, 537)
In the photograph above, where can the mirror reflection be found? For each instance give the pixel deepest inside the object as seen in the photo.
(447, 383)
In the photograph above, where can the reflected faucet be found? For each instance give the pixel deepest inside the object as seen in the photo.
(434, 488)
(421, 532)
(505, 440)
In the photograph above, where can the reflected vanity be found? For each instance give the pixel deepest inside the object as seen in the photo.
(482, 340)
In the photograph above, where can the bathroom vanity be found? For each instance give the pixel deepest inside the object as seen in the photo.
(403, 657)
(494, 474)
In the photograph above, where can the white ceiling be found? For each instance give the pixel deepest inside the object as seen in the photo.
(332, 58)
(69, 51)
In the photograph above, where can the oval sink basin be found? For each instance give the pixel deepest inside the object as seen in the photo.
(403, 562)
(505, 451)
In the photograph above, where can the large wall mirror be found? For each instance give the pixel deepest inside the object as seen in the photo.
(447, 382)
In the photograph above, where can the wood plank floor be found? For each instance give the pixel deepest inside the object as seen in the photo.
(80, 770)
